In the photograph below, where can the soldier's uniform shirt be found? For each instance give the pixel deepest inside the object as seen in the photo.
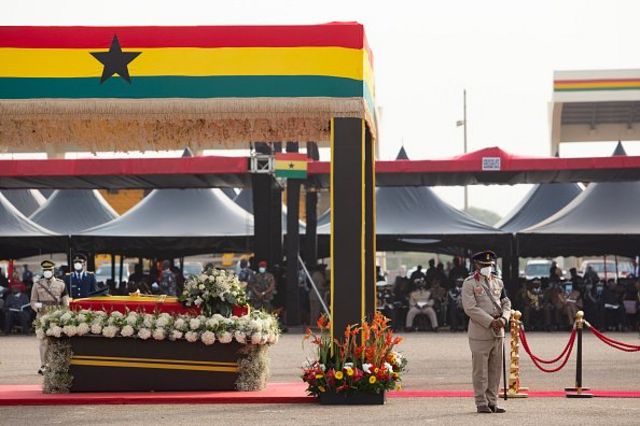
(485, 343)
(49, 292)
(80, 284)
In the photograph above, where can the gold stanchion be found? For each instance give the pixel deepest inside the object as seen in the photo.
(515, 390)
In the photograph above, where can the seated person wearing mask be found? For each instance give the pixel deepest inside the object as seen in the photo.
(420, 302)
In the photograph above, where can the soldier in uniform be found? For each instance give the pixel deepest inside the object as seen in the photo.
(421, 302)
(263, 288)
(485, 302)
(47, 292)
(80, 283)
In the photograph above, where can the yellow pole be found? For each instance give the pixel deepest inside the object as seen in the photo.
(515, 391)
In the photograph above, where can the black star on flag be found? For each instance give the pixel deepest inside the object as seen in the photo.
(115, 61)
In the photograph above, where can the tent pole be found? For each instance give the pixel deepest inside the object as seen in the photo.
(113, 269)
(292, 302)
(605, 267)
(616, 261)
(121, 271)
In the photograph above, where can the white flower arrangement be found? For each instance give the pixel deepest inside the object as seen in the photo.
(215, 291)
(256, 328)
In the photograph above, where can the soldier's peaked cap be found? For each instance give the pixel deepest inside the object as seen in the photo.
(80, 258)
(47, 264)
(486, 257)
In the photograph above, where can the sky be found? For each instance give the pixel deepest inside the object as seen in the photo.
(426, 53)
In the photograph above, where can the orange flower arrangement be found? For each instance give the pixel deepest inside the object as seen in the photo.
(363, 361)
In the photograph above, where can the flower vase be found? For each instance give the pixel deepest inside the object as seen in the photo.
(354, 398)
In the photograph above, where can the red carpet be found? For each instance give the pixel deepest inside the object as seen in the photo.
(277, 393)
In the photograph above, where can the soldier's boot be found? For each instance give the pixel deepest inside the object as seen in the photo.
(483, 409)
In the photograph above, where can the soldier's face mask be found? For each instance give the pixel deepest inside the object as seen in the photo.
(77, 266)
(262, 270)
(47, 274)
(486, 271)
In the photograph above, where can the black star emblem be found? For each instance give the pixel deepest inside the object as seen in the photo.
(291, 165)
(115, 61)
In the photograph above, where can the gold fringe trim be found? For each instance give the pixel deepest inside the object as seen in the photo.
(163, 124)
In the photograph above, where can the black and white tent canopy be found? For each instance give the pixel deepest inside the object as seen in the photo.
(542, 201)
(601, 220)
(70, 211)
(173, 223)
(416, 219)
(26, 201)
(20, 237)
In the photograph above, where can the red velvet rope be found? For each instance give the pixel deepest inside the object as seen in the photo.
(566, 352)
(626, 347)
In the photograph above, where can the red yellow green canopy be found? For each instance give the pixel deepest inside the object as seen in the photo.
(155, 86)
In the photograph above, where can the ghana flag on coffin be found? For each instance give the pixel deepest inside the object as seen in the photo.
(330, 60)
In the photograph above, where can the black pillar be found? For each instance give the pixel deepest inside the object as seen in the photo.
(352, 223)
(267, 213)
(370, 277)
(293, 246)
(311, 214)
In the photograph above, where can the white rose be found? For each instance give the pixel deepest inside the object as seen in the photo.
(144, 333)
(162, 322)
(110, 331)
(198, 301)
(179, 324)
(70, 330)
(56, 331)
(176, 334)
(208, 338)
(127, 331)
(240, 337)
(96, 328)
(83, 328)
(116, 314)
(132, 319)
(366, 367)
(191, 336)
(148, 320)
(40, 334)
(225, 337)
(256, 338)
(194, 324)
(159, 333)
(212, 323)
(201, 287)
(388, 366)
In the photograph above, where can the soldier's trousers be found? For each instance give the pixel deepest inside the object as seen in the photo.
(486, 358)
(43, 350)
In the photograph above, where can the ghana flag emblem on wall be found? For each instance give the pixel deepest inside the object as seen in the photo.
(291, 165)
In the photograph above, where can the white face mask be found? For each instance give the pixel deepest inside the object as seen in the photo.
(262, 270)
(77, 266)
(486, 271)
(47, 274)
